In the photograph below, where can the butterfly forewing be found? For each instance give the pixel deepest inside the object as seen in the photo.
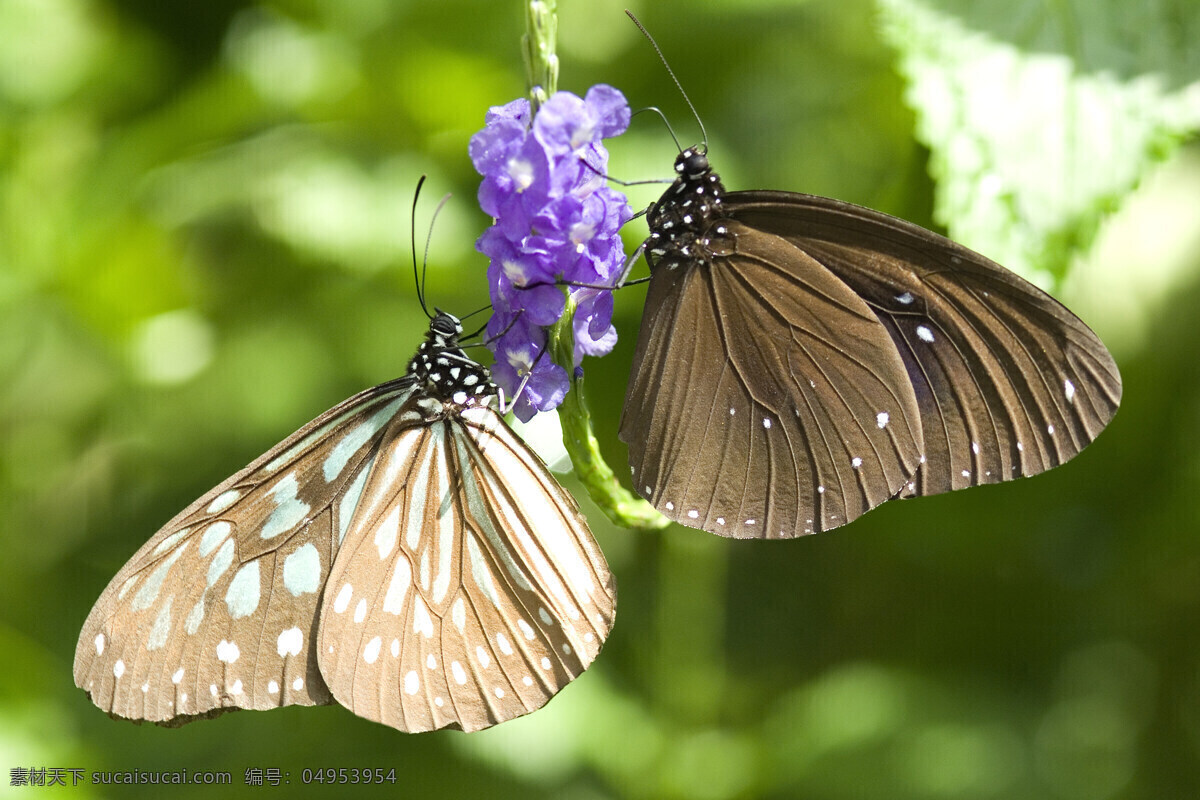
(757, 393)
(1010, 382)
(503, 602)
(217, 610)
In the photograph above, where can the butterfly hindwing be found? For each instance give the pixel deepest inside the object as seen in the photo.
(476, 597)
(217, 611)
(767, 401)
(1009, 381)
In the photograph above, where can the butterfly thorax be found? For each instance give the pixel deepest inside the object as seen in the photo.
(447, 373)
(686, 224)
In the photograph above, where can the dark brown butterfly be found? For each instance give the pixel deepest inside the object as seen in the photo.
(802, 360)
(404, 554)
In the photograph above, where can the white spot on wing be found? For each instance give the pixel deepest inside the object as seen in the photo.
(460, 676)
(881, 419)
(195, 617)
(289, 511)
(118, 668)
(148, 593)
(1069, 390)
(99, 644)
(290, 642)
(387, 532)
(227, 652)
(243, 594)
(343, 599)
(924, 333)
(485, 660)
(223, 501)
(169, 542)
(213, 535)
(371, 651)
(360, 610)
(302, 570)
(349, 501)
(353, 441)
(273, 687)
(412, 682)
(504, 645)
(162, 626)
(422, 622)
(480, 572)
(458, 613)
(393, 601)
(221, 562)
(126, 586)
(177, 677)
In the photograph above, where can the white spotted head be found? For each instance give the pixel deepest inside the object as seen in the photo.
(445, 371)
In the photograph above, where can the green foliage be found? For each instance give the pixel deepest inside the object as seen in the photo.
(204, 243)
(1037, 131)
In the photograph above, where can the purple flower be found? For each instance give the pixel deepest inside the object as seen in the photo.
(556, 223)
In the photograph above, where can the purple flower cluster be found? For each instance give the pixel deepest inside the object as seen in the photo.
(556, 223)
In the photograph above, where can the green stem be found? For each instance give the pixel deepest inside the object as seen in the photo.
(621, 506)
(537, 45)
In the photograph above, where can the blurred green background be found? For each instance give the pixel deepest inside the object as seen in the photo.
(204, 243)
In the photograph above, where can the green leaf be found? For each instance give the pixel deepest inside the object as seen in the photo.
(1041, 117)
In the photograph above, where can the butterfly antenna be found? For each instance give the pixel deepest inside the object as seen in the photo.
(666, 122)
(428, 238)
(671, 72)
(419, 278)
(473, 334)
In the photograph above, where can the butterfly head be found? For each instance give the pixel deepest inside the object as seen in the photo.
(692, 164)
(445, 371)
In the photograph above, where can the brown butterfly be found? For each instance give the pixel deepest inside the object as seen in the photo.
(802, 360)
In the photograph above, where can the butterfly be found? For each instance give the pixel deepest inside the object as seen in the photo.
(404, 554)
(802, 360)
